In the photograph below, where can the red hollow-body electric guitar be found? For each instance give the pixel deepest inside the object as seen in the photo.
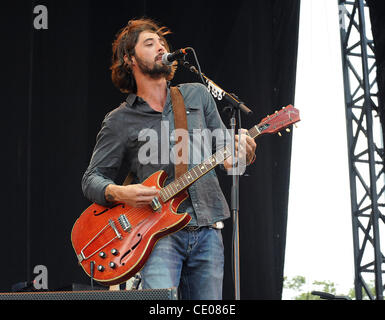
(113, 243)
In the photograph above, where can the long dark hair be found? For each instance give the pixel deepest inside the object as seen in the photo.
(124, 44)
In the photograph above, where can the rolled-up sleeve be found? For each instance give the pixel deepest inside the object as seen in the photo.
(105, 161)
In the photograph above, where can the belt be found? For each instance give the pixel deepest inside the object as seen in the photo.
(217, 225)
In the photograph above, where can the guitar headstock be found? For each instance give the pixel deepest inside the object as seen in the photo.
(279, 120)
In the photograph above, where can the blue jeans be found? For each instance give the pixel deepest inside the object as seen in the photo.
(190, 260)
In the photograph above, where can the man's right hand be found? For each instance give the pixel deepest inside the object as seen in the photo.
(135, 195)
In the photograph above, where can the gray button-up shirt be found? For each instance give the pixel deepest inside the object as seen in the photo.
(134, 138)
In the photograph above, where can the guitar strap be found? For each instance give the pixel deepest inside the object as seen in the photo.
(180, 122)
(181, 131)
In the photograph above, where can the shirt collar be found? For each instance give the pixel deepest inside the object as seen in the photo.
(132, 99)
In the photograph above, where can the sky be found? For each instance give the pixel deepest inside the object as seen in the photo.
(319, 243)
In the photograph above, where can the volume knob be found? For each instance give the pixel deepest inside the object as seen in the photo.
(100, 268)
(112, 265)
(114, 252)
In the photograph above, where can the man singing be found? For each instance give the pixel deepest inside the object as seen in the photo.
(191, 259)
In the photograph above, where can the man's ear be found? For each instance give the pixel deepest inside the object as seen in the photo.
(130, 61)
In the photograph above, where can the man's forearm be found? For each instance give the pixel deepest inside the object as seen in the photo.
(110, 193)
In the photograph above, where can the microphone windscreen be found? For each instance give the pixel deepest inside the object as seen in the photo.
(165, 60)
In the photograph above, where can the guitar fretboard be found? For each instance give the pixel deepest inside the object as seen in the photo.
(188, 178)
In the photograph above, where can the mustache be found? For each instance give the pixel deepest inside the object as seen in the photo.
(159, 56)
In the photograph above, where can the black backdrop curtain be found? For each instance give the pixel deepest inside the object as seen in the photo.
(56, 90)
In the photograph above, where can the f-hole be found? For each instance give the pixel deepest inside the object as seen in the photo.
(132, 248)
(109, 208)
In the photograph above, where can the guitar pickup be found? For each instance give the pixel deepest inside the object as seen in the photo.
(124, 223)
(155, 204)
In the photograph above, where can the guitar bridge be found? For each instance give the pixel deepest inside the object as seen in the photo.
(155, 204)
(124, 223)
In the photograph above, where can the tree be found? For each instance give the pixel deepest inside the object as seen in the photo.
(297, 283)
(371, 287)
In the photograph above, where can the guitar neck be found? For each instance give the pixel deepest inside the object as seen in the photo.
(195, 173)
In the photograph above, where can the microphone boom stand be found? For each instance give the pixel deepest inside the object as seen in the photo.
(236, 106)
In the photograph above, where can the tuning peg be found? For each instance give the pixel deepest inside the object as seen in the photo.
(279, 133)
(287, 130)
(295, 125)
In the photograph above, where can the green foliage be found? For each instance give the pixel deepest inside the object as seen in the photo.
(365, 296)
(297, 283)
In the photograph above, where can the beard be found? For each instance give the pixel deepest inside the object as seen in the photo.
(156, 71)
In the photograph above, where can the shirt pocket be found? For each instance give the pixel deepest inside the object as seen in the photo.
(194, 117)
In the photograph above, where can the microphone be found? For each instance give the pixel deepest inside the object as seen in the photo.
(169, 58)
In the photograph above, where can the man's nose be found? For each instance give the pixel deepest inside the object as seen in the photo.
(161, 48)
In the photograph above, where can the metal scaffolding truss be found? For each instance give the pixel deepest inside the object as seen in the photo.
(365, 147)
